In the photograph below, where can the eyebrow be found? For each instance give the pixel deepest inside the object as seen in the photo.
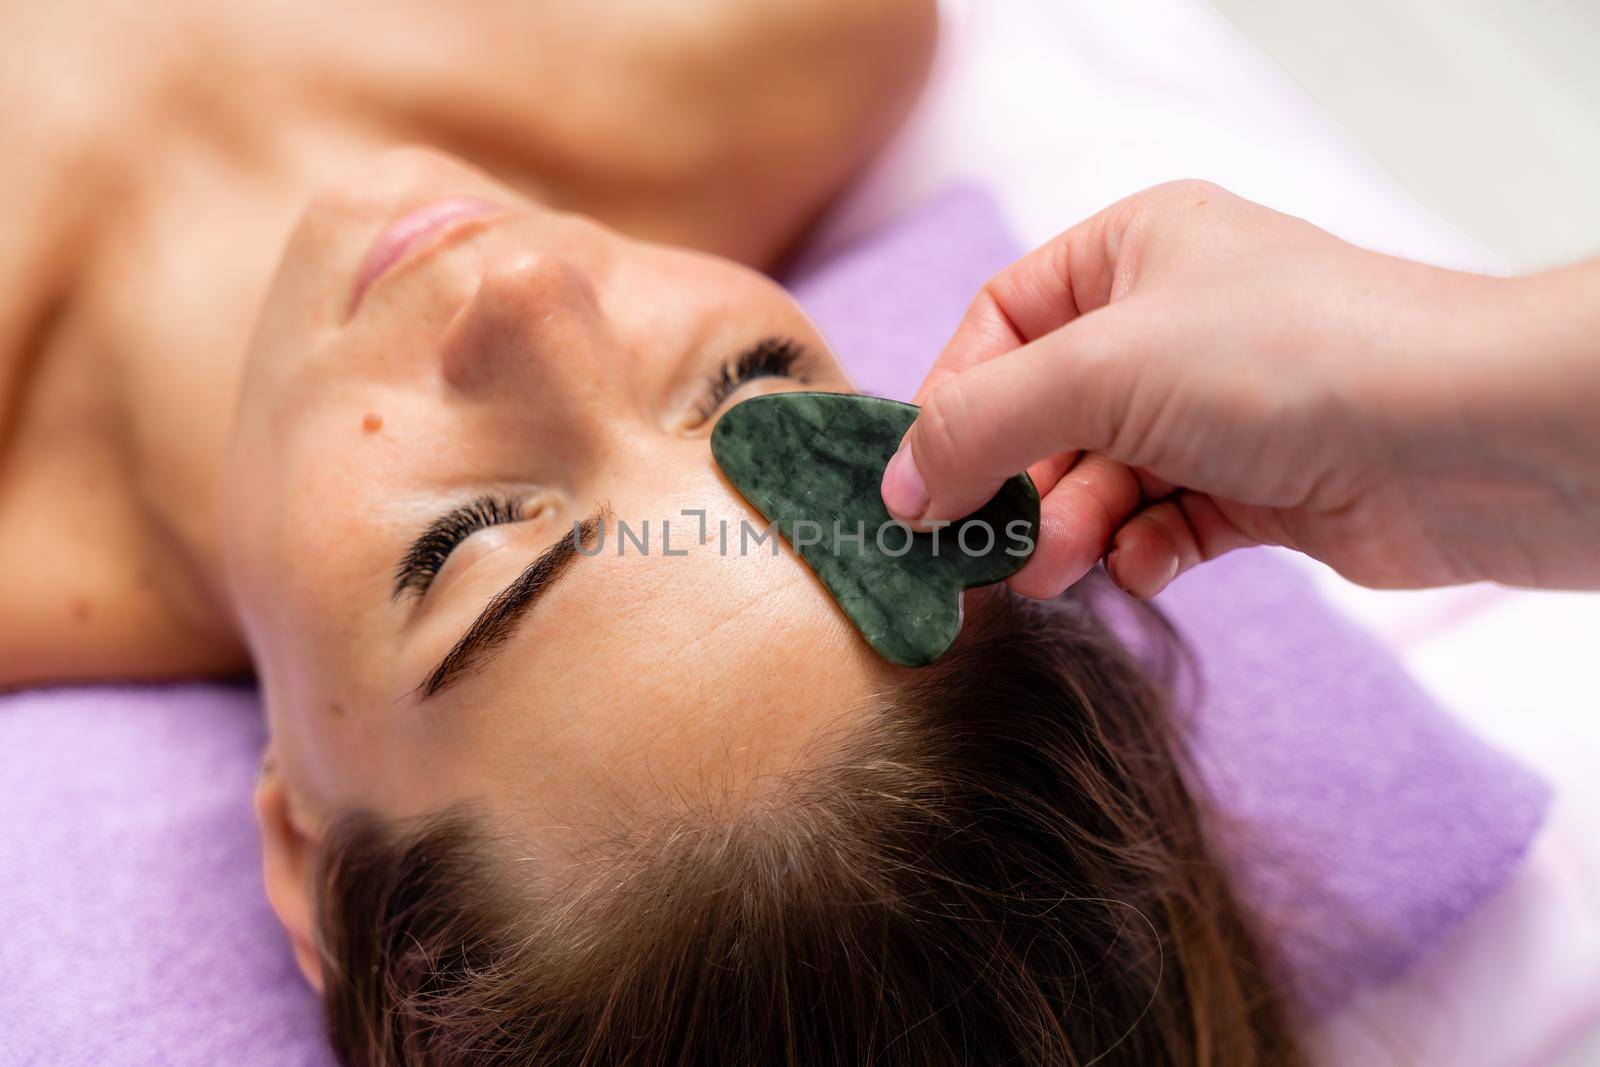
(499, 618)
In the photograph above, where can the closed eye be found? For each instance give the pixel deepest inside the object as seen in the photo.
(773, 357)
(433, 546)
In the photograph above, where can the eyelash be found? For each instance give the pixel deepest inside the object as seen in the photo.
(773, 357)
(424, 558)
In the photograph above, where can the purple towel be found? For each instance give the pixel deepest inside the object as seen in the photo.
(133, 930)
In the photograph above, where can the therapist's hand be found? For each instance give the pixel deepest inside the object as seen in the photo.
(1188, 372)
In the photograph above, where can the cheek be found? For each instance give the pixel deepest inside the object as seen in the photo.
(347, 752)
(305, 549)
(325, 669)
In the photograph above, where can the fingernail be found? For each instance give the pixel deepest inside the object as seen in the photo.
(903, 490)
(1113, 570)
(1172, 572)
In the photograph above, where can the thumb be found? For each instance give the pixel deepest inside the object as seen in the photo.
(1065, 392)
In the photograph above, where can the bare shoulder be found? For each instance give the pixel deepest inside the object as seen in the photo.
(88, 596)
(92, 591)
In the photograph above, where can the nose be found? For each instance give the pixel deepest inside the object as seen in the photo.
(534, 318)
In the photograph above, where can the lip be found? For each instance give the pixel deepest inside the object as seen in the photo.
(433, 224)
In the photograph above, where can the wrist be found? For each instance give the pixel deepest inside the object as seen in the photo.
(1510, 442)
(1546, 357)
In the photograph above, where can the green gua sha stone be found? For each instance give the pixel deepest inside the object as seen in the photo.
(807, 461)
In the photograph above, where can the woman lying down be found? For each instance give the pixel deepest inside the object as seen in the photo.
(522, 805)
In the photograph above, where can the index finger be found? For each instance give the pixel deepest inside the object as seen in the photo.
(1044, 290)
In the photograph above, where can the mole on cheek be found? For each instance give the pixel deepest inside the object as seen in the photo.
(371, 422)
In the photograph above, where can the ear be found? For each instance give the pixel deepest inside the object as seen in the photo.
(288, 852)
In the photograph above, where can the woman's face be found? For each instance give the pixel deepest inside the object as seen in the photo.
(429, 408)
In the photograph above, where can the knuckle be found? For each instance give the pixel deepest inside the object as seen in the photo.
(1187, 191)
(1063, 251)
(1181, 203)
(1200, 187)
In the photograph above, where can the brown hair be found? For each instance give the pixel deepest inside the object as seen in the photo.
(1003, 866)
